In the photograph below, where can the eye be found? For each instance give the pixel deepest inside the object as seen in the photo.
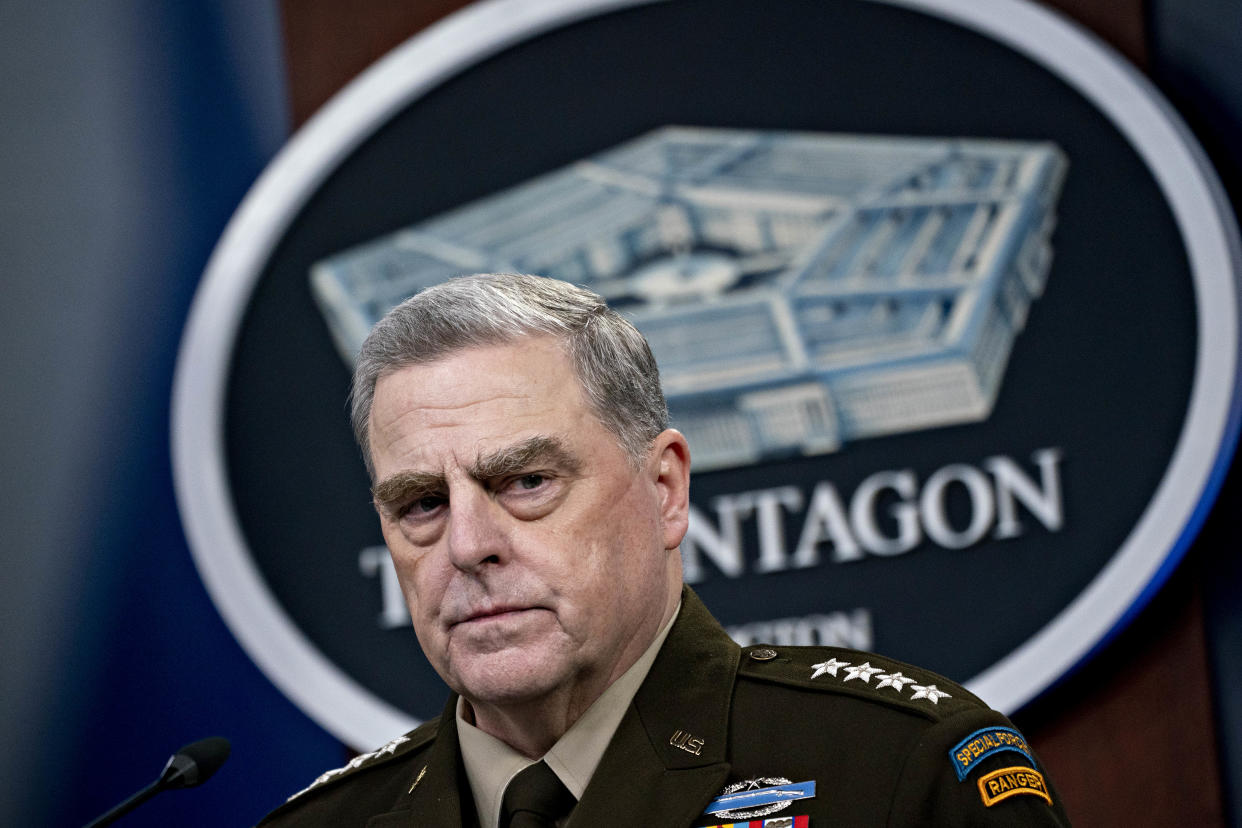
(530, 481)
(422, 506)
(532, 495)
(428, 503)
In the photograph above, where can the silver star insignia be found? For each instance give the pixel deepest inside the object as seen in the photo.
(894, 680)
(830, 667)
(863, 671)
(355, 763)
(390, 747)
(931, 692)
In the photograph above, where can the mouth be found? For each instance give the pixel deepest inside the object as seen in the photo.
(498, 613)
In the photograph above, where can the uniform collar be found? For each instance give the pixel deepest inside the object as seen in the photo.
(668, 757)
(491, 764)
(644, 777)
(434, 794)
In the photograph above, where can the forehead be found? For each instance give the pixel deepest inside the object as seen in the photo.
(477, 399)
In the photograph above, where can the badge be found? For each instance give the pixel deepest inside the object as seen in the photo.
(758, 797)
(983, 743)
(1006, 782)
(865, 672)
(358, 761)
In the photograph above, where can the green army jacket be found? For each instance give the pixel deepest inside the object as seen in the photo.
(885, 744)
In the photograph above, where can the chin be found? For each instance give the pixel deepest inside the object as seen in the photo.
(509, 678)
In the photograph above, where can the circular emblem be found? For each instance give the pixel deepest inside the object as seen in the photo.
(943, 294)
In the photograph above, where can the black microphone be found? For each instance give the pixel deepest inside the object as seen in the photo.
(192, 765)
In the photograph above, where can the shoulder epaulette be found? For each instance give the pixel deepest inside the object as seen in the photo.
(399, 746)
(860, 674)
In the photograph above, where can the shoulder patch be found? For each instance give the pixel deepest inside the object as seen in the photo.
(859, 673)
(986, 742)
(396, 747)
(999, 785)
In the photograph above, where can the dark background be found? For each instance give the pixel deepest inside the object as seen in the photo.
(132, 130)
(1120, 290)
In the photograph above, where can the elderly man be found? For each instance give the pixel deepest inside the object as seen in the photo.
(533, 499)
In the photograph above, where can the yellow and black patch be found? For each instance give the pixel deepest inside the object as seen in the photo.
(1006, 782)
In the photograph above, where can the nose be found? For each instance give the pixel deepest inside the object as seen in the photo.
(475, 534)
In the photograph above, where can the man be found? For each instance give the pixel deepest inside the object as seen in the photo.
(533, 499)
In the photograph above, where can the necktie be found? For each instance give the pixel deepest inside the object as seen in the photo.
(535, 798)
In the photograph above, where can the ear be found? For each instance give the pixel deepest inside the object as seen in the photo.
(670, 467)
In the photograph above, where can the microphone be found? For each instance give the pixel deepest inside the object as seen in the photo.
(195, 763)
(192, 765)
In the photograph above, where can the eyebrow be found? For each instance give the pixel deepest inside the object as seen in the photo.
(537, 450)
(406, 486)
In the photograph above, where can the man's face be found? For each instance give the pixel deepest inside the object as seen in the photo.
(534, 557)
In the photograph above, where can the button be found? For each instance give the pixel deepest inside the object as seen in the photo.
(763, 654)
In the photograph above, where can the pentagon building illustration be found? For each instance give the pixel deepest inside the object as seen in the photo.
(799, 290)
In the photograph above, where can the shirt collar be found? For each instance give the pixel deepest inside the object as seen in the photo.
(491, 764)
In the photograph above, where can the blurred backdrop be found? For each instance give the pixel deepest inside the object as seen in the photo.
(129, 132)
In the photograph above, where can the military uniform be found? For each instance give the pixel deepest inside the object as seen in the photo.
(883, 742)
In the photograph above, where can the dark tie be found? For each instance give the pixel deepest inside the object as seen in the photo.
(535, 798)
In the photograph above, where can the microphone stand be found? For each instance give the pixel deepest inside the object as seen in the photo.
(190, 766)
(128, 805)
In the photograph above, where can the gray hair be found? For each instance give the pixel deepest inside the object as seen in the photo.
(612, 360)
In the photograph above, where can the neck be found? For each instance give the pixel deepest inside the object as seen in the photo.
(530, 728)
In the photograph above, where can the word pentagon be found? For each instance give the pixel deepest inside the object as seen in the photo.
(840, 530)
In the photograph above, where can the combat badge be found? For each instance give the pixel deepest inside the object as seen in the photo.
(1001, 784)
(758, 797)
